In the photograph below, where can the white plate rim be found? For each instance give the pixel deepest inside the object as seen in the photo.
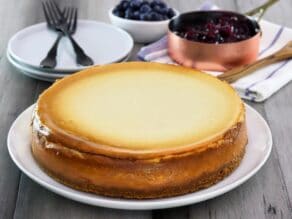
(20, 60)
(34, 71)
(39, 75)
(47, 72)
(139, 204)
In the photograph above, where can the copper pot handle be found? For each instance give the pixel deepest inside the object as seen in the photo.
(261, 10)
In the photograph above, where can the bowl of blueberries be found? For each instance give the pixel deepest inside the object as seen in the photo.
(145, 20)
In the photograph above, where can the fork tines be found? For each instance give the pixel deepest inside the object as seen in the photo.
(54, 16)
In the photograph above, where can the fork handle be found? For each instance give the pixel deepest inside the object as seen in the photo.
(50, 61)
(81, 57)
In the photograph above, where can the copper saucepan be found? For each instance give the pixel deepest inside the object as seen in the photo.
(212, 56)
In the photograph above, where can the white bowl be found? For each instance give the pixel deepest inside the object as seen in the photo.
(142, 31)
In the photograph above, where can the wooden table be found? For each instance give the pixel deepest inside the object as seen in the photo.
(266, 195)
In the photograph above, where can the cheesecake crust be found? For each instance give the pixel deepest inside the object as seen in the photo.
(141, 178)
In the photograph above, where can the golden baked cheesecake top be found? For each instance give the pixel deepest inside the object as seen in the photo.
(138, 107)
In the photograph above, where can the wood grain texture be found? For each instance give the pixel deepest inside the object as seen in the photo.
(35, 202)
(267, 195)
(16, 93)
(277, 112)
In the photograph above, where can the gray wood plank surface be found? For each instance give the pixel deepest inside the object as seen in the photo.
(35, 202)
(16, 93)
(267, 195)
(277, 112)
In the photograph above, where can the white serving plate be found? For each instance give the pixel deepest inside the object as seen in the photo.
(104, 43)
(257, 152)
(41, 74)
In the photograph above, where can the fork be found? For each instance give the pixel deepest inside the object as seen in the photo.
(66, 24)
(50, 60)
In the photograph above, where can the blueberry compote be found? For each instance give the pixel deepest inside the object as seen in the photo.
(143, 10)
(218, 27)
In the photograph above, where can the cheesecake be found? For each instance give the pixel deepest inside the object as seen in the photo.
(139, 130)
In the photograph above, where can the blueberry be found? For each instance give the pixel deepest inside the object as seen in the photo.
(162, 4)
(154, 16)
(115, 11)
(160, 10)
(143, 17)
(135, 4)
(146, 17)
(145, 8)
(157, 8)
(145, 3)
(163, 11)
(118, 7)
(165, 17)
(129, 14)
(136, 15)
(158, 2)
(170, 13)
(153, 4)
(160, 17)
(125, 4)
(118, 13)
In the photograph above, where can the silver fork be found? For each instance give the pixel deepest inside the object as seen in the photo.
(50, 61)
(66, 24)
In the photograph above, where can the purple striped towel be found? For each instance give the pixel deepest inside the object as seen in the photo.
(257, 86)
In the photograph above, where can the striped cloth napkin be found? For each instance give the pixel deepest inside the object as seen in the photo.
(255, 87)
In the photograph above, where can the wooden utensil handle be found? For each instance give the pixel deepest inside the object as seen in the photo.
(236, 73)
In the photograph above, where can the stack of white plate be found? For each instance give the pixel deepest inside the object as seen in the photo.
(104, 43)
